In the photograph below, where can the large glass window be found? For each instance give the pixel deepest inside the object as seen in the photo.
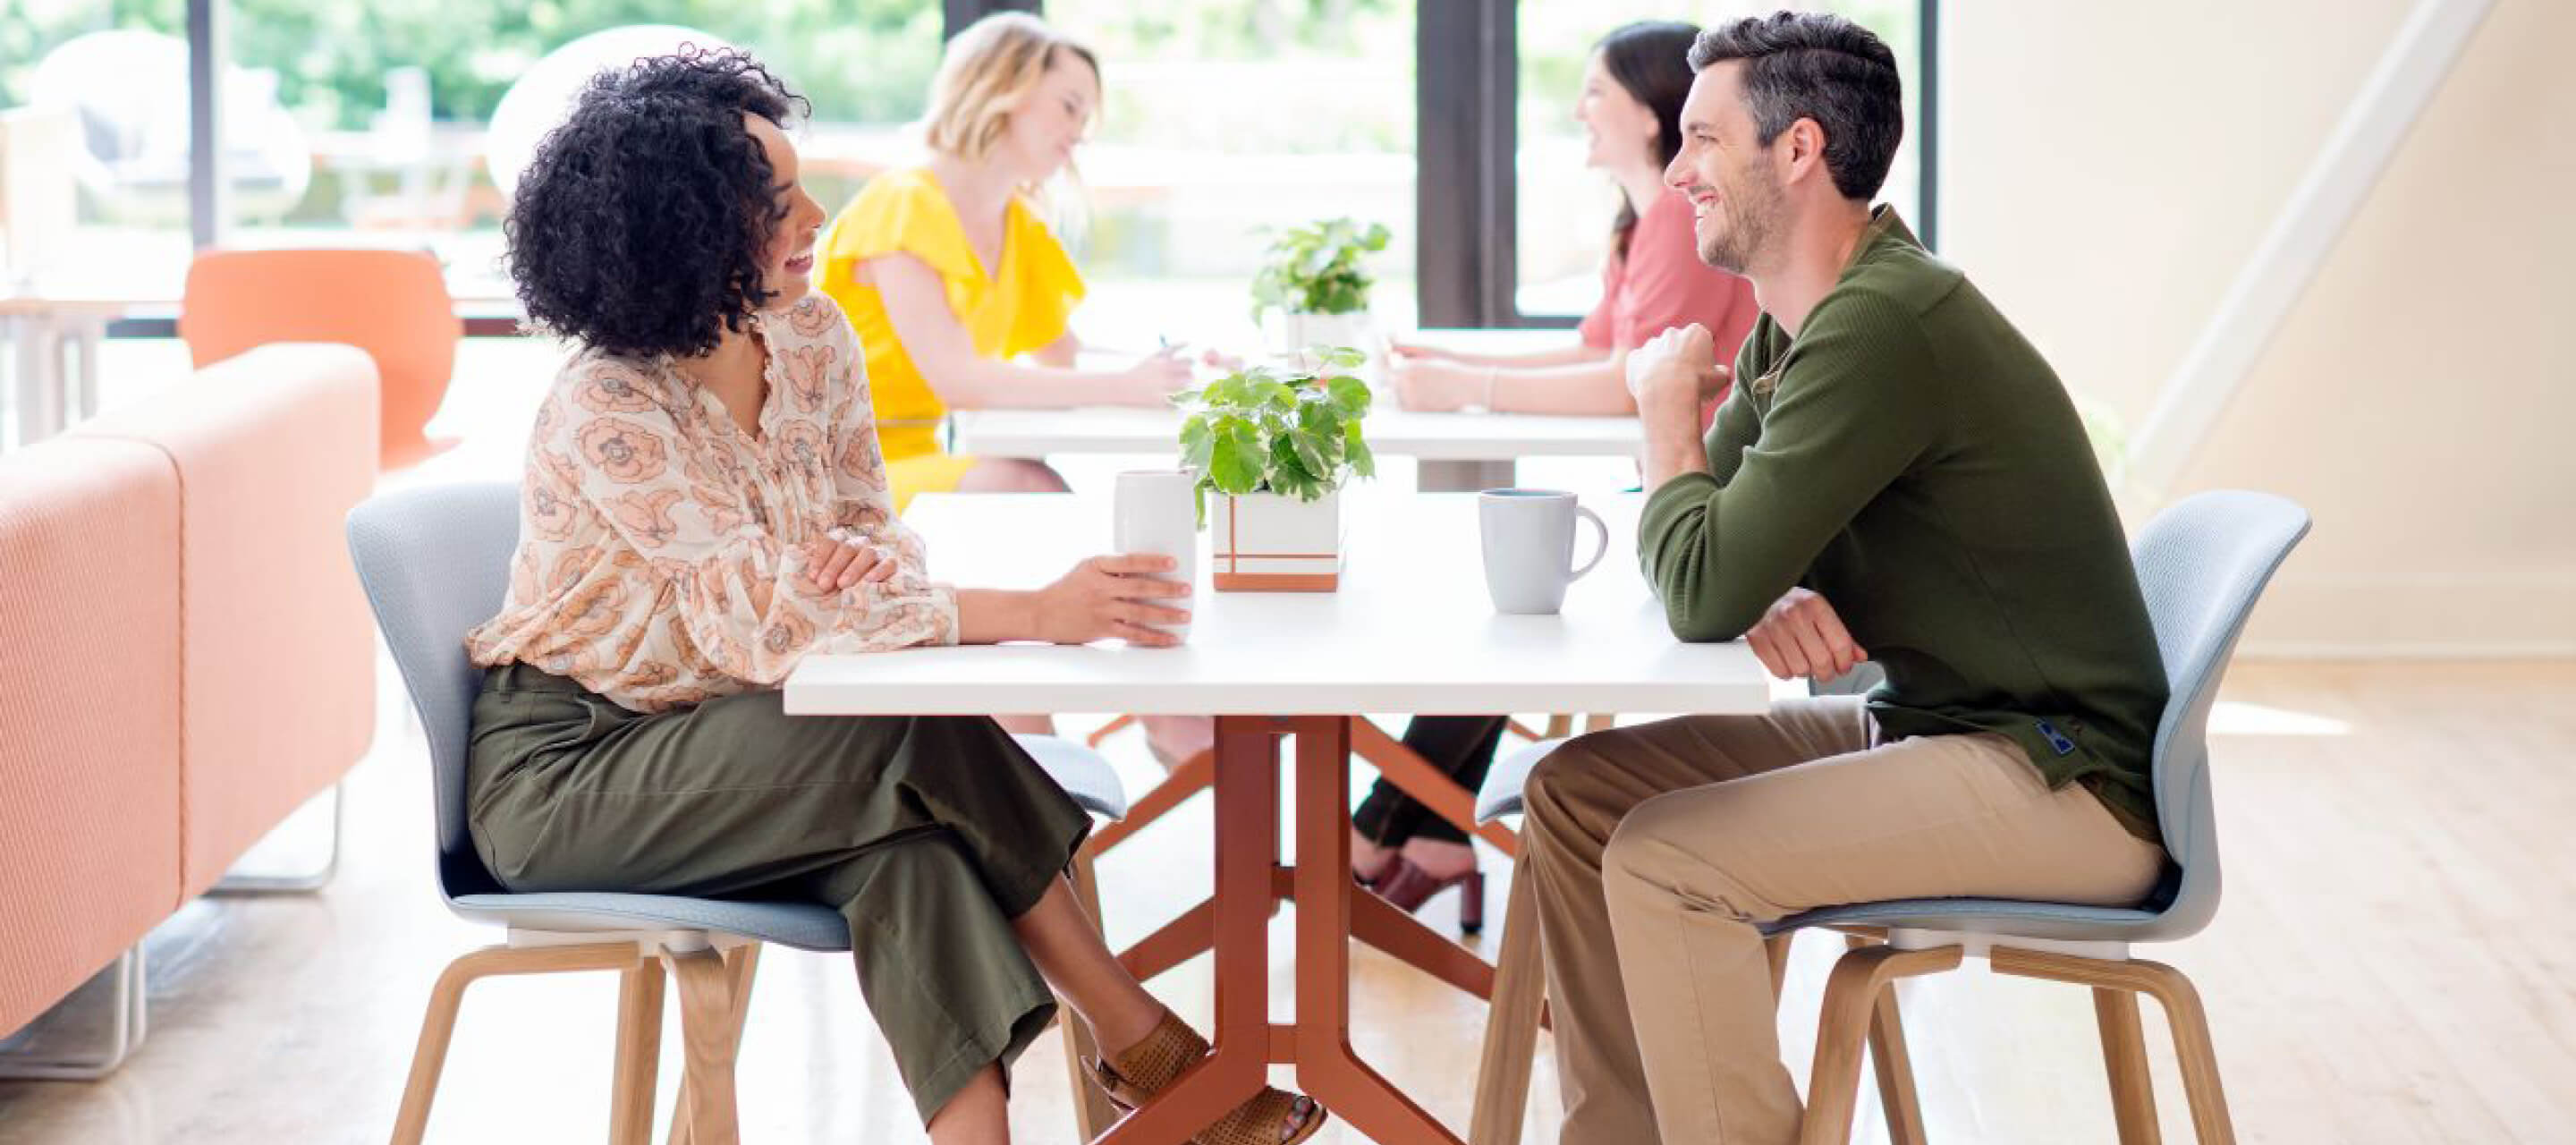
(1565, 210)
(1221, 118)
(399, 122)
(94, 142)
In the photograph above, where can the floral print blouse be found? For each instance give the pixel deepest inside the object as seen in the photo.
(652, 530)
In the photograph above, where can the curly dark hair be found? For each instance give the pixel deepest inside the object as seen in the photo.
(639, 226)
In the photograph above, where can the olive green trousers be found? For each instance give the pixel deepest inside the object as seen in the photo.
(928, 834)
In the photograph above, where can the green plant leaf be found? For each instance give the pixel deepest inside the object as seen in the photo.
(1234, 465)
(1356, 451)
(1343, 358)
(1350, 394)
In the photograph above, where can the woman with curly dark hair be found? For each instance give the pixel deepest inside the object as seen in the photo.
(705, 503)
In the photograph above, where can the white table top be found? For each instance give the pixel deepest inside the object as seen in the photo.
(1444, 436)
(1390, 432)
(1410, 632)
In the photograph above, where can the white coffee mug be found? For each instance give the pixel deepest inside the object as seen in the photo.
(1529, 547)
(1157, 512)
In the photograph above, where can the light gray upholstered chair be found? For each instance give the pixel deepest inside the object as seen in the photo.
(435, 562)
(2202, 563)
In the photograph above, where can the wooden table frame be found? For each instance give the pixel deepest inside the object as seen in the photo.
(1251, 882)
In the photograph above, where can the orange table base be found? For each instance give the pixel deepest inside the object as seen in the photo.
(1251, 881)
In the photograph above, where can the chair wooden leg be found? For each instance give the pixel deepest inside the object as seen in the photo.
(1511, 1027)
(708, 1027)
(2199, 1059)
(1600, 722)
(1850, 1013)
(2183, 1012)
(438, 1025)
(2124, 1058)
(639, 1054)
(1893, 1064)
(1560, 725)
(742, 964)
(1091, 1109)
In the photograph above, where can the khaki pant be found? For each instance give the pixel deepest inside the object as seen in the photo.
(1680, 838)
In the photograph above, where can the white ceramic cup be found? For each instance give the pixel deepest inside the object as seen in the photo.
(1529, 547)
(1157, 512)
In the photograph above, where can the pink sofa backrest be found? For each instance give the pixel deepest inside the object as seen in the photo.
(277, 689)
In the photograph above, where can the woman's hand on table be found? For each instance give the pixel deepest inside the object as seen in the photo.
(1159, 375)
(1437, 384)
(1416, 352)
(1109, 596)
(839, 561)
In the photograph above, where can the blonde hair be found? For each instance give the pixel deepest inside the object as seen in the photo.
(987, 70)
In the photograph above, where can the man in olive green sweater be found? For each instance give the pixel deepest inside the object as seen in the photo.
(1898, 477)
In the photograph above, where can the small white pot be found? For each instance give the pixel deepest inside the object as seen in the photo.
(1301, 333)
(1264, 542)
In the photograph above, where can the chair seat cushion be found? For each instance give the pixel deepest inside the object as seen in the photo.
(805, 926)
(1083, 773)
(1501, 794)
(2060, 922)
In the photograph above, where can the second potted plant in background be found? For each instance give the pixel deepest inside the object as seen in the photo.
(1314, 276)
(1272, 450)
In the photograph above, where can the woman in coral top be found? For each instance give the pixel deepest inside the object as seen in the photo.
(1631, 109)
(960, 294)
(704, 504)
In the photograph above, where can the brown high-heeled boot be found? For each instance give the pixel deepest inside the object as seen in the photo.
(1136, 1074)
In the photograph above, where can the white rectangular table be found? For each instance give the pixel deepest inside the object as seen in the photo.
(1458, 451)
(1410, 632)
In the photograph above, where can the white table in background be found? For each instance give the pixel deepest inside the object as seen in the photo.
(1410, 632)
(1458, 452)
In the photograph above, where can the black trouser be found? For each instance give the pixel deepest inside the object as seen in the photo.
(1462, 748)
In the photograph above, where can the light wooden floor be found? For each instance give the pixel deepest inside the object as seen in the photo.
(2395, 962)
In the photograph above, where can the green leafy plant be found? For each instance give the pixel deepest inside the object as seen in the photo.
(1296, 434)
(1316, 269)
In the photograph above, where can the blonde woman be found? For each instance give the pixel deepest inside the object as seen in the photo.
(960, 294)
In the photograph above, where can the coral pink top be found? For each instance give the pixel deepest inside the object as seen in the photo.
(1661, 283)
(661, 557)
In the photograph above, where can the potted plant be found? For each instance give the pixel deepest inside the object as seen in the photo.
(1274, 448)
(1312, 274)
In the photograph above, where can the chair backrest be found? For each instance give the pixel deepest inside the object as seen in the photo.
(435, 561)
(2202, 563)
(392, 304)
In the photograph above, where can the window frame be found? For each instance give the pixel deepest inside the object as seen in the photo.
(1466, 131)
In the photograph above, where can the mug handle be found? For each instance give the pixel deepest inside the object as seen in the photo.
(1602, 551)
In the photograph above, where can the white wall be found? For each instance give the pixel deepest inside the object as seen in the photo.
(2108, 168)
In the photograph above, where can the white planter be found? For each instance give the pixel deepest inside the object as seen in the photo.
(1264, 542)
(1302, 332)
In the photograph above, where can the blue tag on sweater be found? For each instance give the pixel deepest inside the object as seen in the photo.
(2057, 740)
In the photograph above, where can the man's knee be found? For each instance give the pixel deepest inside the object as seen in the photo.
(1668, 845)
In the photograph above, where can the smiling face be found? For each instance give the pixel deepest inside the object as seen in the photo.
(1737, 200)
(1619, 131)
(787, 263)
(1052, 117)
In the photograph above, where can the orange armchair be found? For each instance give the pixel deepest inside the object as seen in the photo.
(392, 304)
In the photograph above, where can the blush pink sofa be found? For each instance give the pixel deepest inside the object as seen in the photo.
(188, 655)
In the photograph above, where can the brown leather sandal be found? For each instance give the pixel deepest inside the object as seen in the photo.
(1149, 1066)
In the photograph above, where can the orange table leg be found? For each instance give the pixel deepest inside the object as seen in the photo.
(1247, 852)
(1327, 1069)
